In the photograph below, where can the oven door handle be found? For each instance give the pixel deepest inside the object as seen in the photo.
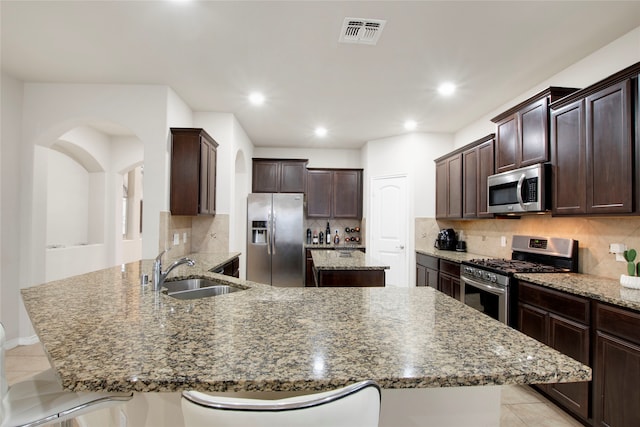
(486, 287)
(519, 191)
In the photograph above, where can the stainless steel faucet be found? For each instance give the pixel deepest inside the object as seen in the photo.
(159, 276)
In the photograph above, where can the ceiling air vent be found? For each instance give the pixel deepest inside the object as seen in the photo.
(363, 31)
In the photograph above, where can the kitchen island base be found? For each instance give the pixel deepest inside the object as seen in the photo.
(442, 407)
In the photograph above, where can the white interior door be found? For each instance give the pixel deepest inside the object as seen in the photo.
(389, 215)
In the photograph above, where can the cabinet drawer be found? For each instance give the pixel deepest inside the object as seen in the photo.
(566, 305)
(452, 268)
(427, 261)
(619, 322)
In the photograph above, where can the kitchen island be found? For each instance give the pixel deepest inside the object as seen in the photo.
(347, 267)
(104, 331)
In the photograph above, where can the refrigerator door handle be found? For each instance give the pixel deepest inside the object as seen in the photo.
(274, 221)
(269, 235)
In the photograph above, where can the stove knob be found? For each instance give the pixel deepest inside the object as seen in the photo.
(478, 273)
(494, 278)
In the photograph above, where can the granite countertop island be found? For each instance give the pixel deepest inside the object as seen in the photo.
(104, 331)
(345, 260)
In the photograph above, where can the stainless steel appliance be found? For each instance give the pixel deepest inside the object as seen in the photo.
(447, 240)
(274, 238)
(486, 284)
(519, 191)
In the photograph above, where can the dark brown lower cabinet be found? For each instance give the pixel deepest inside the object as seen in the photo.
(562, 322)
(350, 278)
(617, 367)
(426, 271)
(232, 268)
(449, 278)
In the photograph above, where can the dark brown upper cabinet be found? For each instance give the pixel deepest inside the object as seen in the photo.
(193, 172)
(477, 165)
(522, 133)
(334, 193)
(279, 175)
(592, 148)
(449, 186)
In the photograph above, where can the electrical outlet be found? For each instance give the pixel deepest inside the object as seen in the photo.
(176, 238)
(184, 237)
(503, 241)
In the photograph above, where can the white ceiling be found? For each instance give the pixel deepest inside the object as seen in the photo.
(214, 53)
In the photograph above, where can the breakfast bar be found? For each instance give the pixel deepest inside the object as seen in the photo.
(106, 331)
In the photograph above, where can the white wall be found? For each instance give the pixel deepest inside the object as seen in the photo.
(318, 157)
(67, 201)
(608, 60)
(10, 188)
(242, 187)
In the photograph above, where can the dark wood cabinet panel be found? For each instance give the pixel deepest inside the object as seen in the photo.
(449, 187)
(319, 193)
(609, 150)
(347, 194)
(279, 175)
(334, 193)
(232, 268)
(595, 154)
(572, 339)
(507, 144)
(477, 165)
(449, 278)
(561, 321)
(427, 271)
(522, 132)
(534, 132)
(617, 367)
(193, 172)
(442, 189)
(351, 278)
(470, 183)
(568, 157)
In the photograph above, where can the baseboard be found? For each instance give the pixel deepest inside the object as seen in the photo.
(21, 341)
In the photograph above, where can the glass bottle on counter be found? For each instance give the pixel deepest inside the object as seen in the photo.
(327, 234)
(321, 237)
(336, 238)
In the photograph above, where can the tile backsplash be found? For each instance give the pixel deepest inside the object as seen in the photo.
(483, 237)
(204, 233)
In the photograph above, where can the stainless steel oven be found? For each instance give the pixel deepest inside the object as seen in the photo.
(490, 298)
(488, 285)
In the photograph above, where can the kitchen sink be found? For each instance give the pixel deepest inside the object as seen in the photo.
(197, 288)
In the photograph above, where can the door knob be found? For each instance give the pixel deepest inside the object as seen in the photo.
(400, 247)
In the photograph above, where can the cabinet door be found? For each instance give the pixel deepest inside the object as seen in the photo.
(293, 177)
(609, 150)
(432, 278)
(445, 284)
(532, 321)
(421, 275)
(319, 194)
(266, 176)
(507, 144)
(455, 186)
(442, 189)
(211, 179)
(485, 168)
(617, 375)
(470, 185)
(534, 144)
(570, 338)
(347, 194)
(568, 157)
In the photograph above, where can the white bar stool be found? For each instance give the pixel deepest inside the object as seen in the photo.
(356, 405)
(41, 400)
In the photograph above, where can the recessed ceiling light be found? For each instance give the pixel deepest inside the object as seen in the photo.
(410, 124)
(320, 132)
(446, 89)
(256, 98)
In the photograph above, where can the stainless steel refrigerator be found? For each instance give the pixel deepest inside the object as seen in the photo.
(275, 252)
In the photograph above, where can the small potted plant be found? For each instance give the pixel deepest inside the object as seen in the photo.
(632, 280)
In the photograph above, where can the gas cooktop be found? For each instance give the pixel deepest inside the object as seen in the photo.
(510, 266)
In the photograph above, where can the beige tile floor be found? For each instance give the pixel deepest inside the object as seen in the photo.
(521, 405)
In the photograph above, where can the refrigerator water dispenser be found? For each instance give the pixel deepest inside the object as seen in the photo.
(259, 232)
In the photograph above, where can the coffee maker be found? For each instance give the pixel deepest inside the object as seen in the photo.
(447, 240)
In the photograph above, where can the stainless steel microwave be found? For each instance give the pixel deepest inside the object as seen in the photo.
(519, 191)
